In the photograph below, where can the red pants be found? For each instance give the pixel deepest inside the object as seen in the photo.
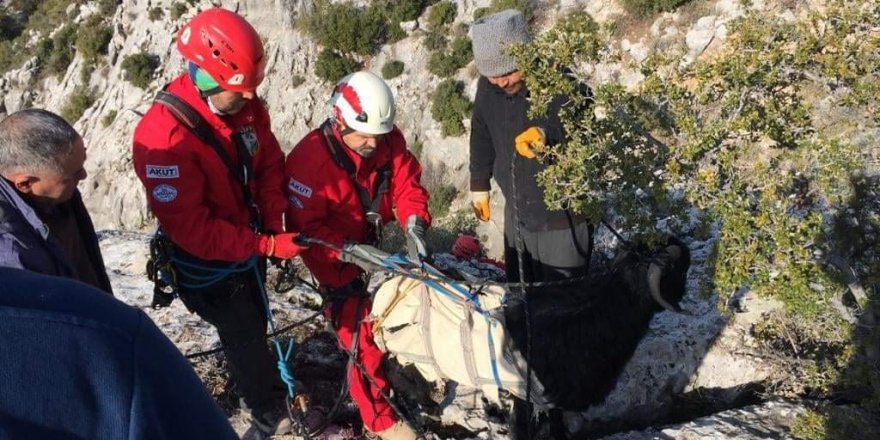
(376, 413)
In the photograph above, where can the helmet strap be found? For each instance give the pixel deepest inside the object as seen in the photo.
(342, 127)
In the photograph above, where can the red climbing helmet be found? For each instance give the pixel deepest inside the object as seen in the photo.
(466, 247)
(226, 46)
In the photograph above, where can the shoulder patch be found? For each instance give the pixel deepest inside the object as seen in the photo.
(296, 202)
(164, 193)
(162, 172)
(300, 188)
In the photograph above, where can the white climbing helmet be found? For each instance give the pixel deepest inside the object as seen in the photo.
(364, 102)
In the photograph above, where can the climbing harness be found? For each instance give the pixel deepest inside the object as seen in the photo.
(369, 205)
(160, 271)
(197, 125)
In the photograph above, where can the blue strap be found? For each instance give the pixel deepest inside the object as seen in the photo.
(397, 264)
(283, 357)
(213, 275)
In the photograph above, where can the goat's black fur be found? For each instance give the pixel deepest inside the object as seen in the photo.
(583, 334)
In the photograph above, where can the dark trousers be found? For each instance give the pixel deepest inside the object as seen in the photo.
(546, 256)
(549, 255)
(234, 307)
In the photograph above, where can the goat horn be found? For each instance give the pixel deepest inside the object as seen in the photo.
(654, 274)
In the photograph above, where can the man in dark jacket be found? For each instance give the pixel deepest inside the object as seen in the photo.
(555, 244)
(77, 364)
(552, 245)
(44, 226)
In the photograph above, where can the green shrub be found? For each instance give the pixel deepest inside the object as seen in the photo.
(156, 13)
(77, 103)
(47, 15)
(405, 10)
(297, 80)
(441, 197)
(108, 118)
(139, 68)
(524, 6)
(332, 67)
(435, 40)
(755, 149)
(449, 107)
(178, 9)
(441, 14)
(416, 147)
(647, 8)
(394, 34)
(392, 69)
(10, 26)
(107, 7)
(63, 43)
(445, 64)
(85, 72)
(92, 38)
(344, 28)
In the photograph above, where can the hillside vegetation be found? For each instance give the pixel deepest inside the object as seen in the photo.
(766, 141)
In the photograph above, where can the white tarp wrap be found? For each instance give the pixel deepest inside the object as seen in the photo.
(448, 338)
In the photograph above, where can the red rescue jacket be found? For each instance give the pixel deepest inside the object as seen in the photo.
(324, 203)
(197, 200)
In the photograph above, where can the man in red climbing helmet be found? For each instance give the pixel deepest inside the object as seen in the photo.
(213, 173)
(345, 180)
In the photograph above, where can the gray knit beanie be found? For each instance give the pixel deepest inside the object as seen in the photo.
(491, 35)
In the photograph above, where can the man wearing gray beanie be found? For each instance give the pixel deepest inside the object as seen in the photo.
(504, 143)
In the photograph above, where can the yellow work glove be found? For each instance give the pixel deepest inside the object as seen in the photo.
(480, 203)
(530, 142)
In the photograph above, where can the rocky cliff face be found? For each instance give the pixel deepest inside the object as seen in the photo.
(682, 353)
(112, 192)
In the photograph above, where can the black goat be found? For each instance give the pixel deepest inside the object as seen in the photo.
(583, 334)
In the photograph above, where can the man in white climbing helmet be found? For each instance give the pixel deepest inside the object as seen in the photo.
(345, 180)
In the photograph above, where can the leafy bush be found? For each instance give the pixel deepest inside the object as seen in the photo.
(108, 118)
(405, 10)
(47, 15)
(92, 38)
(344, 28)
(77, 103)
(524, 6)
(392, 69)
(435, 40)
(332, 67)
(416, 147)
(139, 68)
(444, 64)
(441, 199)
(55, 55)
(744, 139)
(449, 107)
(156, 13)
(441, 14)
(62, 49)
(10, 26)
(107, 7)
(86, 71)
(23, 18)
(646, 8)
(297, 80)
(178, 9)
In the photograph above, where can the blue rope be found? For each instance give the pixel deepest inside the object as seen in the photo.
(213, 275)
